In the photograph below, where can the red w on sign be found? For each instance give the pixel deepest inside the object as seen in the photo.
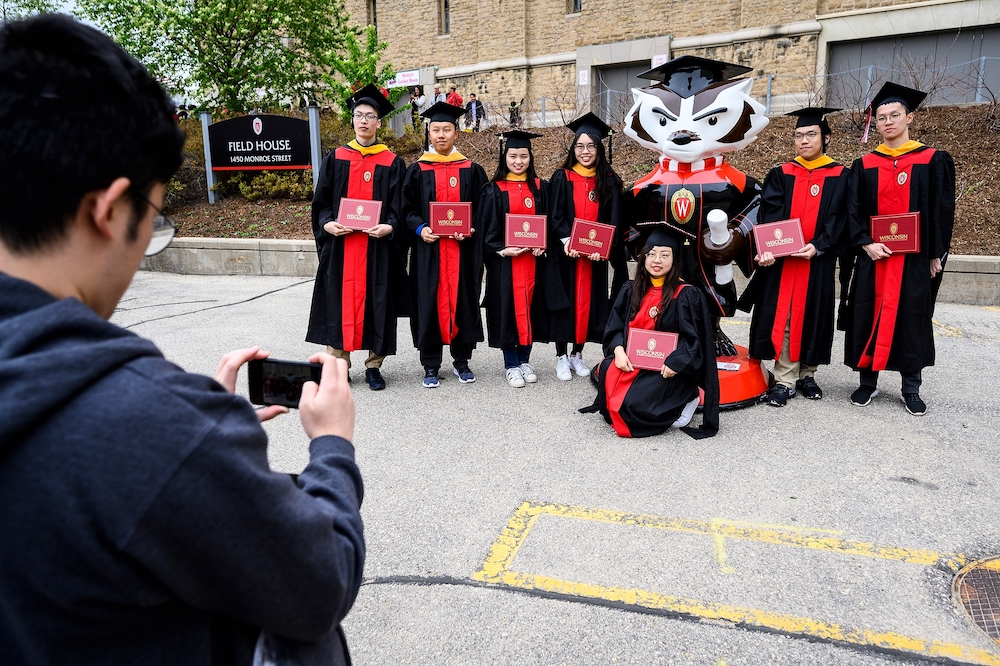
(682, 205)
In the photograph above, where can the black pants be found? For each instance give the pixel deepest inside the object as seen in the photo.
(911, 380)
(562, 346)
(461, 352)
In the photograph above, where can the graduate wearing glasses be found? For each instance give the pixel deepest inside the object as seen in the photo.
(361, 277)
(584, 187)
(795, 300)
(641, 403)
(892, 295)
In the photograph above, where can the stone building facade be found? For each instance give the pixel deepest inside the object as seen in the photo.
(567, 56)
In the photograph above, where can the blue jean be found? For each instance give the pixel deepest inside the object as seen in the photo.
(515, 356)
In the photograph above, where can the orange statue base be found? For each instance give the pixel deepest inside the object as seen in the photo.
(742, 380)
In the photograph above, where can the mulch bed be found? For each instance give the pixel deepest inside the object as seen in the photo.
(969, 134)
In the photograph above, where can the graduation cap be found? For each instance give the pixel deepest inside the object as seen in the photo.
(373, 97)
(443, 112)
(517, 139)
(893, 92)
(689, 75)
(813, 115)
(659, 236)
(593, 127)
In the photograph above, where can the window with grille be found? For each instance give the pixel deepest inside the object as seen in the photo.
(444, 17)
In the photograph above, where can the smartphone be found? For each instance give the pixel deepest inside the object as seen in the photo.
(274, 382)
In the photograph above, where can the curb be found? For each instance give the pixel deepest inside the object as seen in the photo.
(969, 279)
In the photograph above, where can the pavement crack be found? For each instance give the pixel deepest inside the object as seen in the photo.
(216, 307)
(434, 581)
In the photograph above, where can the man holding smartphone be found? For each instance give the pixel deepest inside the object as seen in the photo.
(140, 520)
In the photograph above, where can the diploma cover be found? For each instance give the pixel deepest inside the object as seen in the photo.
(779, 238)
(590, 237)
(900, 233)
(359, 214)
(525, 231)
(450, 218)
(647, 349)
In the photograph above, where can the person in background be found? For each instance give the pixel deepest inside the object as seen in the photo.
(795, 300)
(439, 96)
(514, 274)
(892, 295)
(474, 113)
(584, 187)
(453, 97)
(361, 274)
(446, 273)
(141, 522)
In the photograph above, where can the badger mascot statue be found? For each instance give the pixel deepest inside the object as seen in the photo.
(692, 116)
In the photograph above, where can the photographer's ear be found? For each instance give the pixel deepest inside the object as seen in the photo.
(101, 206)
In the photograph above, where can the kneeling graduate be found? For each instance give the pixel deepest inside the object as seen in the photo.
(641, 403)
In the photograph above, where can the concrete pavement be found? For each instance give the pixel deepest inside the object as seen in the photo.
(505, 527)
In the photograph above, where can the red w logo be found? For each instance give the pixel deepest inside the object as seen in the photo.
(682, 208)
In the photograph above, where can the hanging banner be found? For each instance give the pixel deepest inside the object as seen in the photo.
(256, 143)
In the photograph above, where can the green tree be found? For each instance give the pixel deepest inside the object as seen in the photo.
(357, 66)
(13, 10)
(231, 54)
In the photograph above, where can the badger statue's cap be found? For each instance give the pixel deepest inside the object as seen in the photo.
(689, 75)
(373, 97)
(893, 92)
(813, 115)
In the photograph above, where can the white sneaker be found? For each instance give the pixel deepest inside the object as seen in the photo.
(563, 371)
(528, 372)
(579, 367)
(687, 413)
(514, 377)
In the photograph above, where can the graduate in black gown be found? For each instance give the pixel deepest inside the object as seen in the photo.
(585, 187)
(795, 300)
(445, 272)
(892, 295)
(361, 281)
(641, 403)
(514, 275)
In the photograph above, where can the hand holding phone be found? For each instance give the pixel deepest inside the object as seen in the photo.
(229, 368)
(328, 408)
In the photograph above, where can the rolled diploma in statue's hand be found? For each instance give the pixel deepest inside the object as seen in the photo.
(721, 235)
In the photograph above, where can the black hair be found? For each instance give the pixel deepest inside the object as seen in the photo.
(606, 180)
(502, 170)
(76, 112)
(641, 283)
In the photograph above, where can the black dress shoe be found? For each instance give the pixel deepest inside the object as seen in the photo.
(374, 379)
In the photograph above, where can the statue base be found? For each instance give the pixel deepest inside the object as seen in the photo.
(742, 380)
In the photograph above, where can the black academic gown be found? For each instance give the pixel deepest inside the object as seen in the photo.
(425, 181)
(507, 320)
(801, 288)
(567, 199)
(892, 300)
(642, 403)
(375, 268)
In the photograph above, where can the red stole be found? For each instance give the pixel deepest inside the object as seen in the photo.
(447, 187)
(360, 185)
(521, 202)
(616, 382)
(807, 193)
(894, 178)
(585, 206)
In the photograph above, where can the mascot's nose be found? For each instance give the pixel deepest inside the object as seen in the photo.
(683, 137)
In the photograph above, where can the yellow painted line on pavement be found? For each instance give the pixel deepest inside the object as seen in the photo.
(528, 512)
(497, 570)
(948, 330)
(990, 307)
(789, 624)
(719, 549)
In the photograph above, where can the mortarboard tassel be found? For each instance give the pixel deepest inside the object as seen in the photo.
(609, 145)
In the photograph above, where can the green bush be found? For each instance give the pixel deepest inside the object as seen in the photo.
(276, 185)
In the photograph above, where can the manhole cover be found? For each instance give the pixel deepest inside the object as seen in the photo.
(977, 587)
